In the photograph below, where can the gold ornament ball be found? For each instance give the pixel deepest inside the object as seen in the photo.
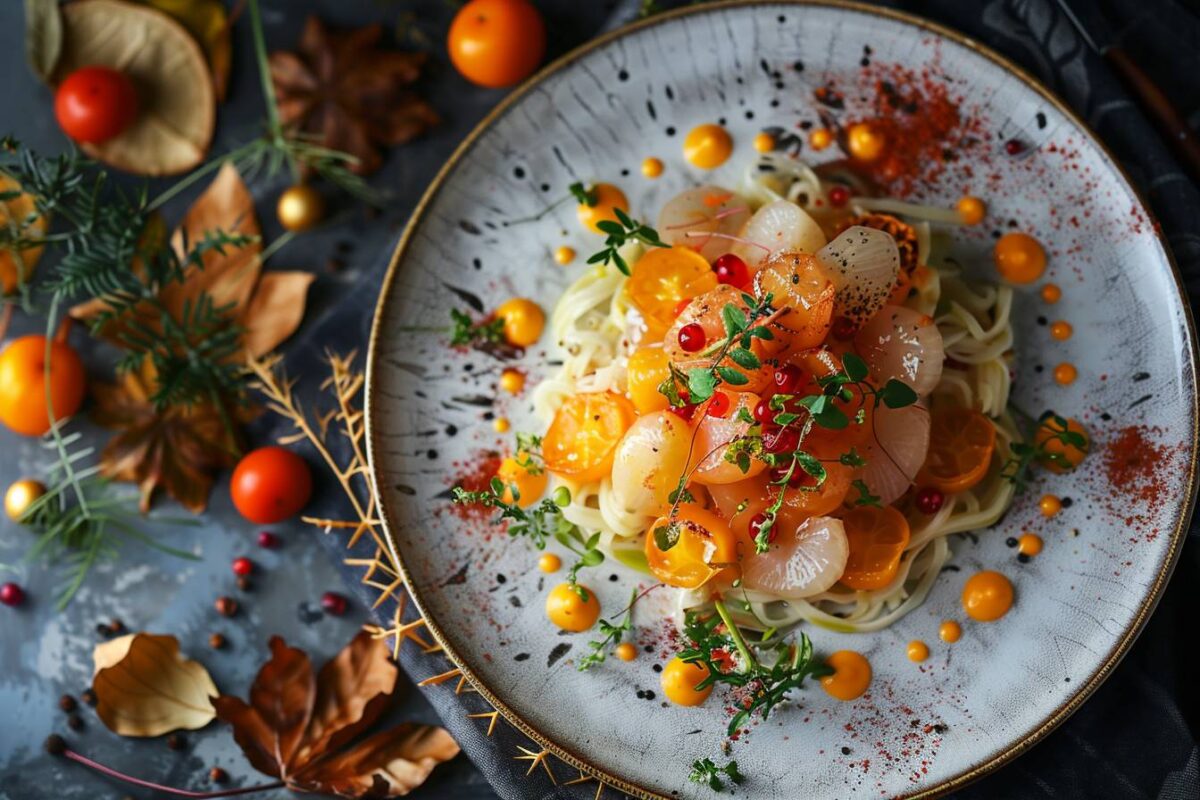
(20, 495)
(300, 207)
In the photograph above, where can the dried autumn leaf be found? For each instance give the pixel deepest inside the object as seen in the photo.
(145, 687)
(176, 101)
(43, 36)
(178, 449)
(294, 726)
(343, 90)
(207, 22)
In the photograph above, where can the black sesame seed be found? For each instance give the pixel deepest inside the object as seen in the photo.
(518, 173)
(1010, 542)
(845, 751)
(671, 131)
(623, 75)
(1023, 558)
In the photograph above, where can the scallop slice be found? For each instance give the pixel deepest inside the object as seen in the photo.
(714, 435)
(863, 264)
(896, 452)
(778, 227)
(705, 219)
(649, 461)
(904, 344)
(804, 559)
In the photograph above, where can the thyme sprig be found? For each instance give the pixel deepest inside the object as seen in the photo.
(466, 332)
(539, 523)
(705, 771)
(609, 635)
(1018, 468)
(624, 230)
(767, 674)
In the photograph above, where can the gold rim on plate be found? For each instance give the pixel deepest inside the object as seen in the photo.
(1086, 688)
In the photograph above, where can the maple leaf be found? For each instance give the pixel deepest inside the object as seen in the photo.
(305, 729)
(178, 449)
(349, 95)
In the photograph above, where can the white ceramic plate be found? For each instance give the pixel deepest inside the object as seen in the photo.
(594, 116)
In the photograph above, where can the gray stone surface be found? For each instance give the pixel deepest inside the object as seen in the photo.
(44, 653)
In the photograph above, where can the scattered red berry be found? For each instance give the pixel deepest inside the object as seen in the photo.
(226, 606)
(838, 196)
(787, 378)
(334, 603)
(762, 412)
(756, 523)
(218, 775)
(691, 337)
(242, 566)
(843, 328)
(719, 405)
(1014, 147)
(11, 594)
(731, 270)
(268, 540)
(784, 440)
(930, 500)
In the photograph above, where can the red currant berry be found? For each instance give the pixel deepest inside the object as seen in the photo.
(268, 540)
(843, 328)
(784, 440)
(719, 405)
(334, 603)
(930, 500)
(756, 523)
(732, 270)
(763, 413)
(242, 566)
(11, 594)
(691, 337)
(1014, 147)
(787, 378)
(838, 196)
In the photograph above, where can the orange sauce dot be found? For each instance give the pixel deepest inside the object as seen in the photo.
(917, 651)
(501, 425)
(987, 596)
(549, 562)
(523, 321)
(1049, 505)
(820, 138)
(564, 255)
(950, 631)
(1030, 544)
(652, 167)
(707, 146)
(864, 141)
(851, 675)
(608, 197)
(764, 142)
(1065, 374)
(971, 210)
(626, 651)
(1051, 294)
(512, 381)
(1019, 258)
(1061, 330)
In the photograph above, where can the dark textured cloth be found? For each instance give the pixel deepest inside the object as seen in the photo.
(1137, 737)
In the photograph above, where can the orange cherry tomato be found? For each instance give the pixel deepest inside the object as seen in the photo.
(1019, 257)
(23, 406)
(661, 279)
(705, 548)
(608, 199)
(95, 104)
(648, 368)
(877, 537)
(270, 484)
(497, 43)
(531, 484)
(680, 679)
(961, 443)
(1062, 456)
(583, 436)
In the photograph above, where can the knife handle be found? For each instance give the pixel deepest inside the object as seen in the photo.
(1164, 114)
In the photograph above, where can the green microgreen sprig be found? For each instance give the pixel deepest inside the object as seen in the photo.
(610, 635)
(1024, 456)
(624, 230)
(705, 771)
(466, 332)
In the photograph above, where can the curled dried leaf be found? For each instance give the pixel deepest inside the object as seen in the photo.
(43, 36)
(389, 764)
(145, 687)
(208, 22)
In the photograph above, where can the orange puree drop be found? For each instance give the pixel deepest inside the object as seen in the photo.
(987, 596)
(851, 675)
(1019, 258)
(918, 651)
(707, 146)
(950, 631)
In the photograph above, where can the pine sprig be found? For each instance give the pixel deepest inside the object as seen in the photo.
(624, 230)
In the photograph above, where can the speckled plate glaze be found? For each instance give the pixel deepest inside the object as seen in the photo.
(922, 729)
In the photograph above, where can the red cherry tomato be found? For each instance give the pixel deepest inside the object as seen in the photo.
(270, 484)
(94, 104)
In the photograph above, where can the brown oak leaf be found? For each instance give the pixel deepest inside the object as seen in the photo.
(350, 95)
(178, 449)
(305, 729)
